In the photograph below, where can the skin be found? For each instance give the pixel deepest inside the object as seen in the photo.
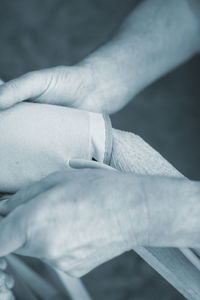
(143, 50)
(155, 38)
(6, 282)
(59, 221)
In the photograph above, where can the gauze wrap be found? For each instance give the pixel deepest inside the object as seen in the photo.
(38, 139)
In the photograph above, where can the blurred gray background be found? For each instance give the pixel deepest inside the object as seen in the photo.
(36, 34)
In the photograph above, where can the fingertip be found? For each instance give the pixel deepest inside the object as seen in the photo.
(88, 164)
(4, 207)
(77, 163)
(73, 163)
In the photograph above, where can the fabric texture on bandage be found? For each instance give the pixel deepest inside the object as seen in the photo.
(131, 153)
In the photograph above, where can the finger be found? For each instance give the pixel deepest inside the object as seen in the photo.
(13, 230)
(3, 264)
(27, 86)
(6, 281)
(83, 164)
(6, 295)
(27, 193)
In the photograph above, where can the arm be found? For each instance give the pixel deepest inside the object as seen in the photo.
(78, 219)
(156, 37)
(121, 210)
(171, 204)
(164, 204)
(43, 132)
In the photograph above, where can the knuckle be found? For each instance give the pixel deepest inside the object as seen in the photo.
(32, 76)
(11, 85)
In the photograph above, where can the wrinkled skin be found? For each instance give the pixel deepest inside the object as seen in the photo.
(68, 86)
(77, 219)
(60, 220)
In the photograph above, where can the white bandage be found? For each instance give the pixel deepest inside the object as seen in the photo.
(38, 139)
(101, 137)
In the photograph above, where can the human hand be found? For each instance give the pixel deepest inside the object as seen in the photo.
(94, 85)
(68, 86)
(6, 282)
(77, 219)
(74, 220)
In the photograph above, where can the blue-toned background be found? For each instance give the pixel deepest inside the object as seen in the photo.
(35, 34)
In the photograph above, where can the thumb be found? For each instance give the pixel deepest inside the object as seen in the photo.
(13, 230)
(27, 86)
(77, 163)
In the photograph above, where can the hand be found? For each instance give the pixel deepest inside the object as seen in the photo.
(143, 50)
(6, 282)
(77, 219)
(96, 84)
(69, 86)
(74, 220)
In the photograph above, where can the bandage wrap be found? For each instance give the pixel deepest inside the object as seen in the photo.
(100, 137)
(130, 153)
(38, 139)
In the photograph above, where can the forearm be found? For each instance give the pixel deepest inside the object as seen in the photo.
(174, 220)
(160, 212)
(157, 210)
(156, 37)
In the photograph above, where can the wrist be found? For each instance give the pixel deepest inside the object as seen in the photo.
(111, 78)
(173, 212)
(133, 216)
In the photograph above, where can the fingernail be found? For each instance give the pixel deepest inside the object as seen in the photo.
(71, 161)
